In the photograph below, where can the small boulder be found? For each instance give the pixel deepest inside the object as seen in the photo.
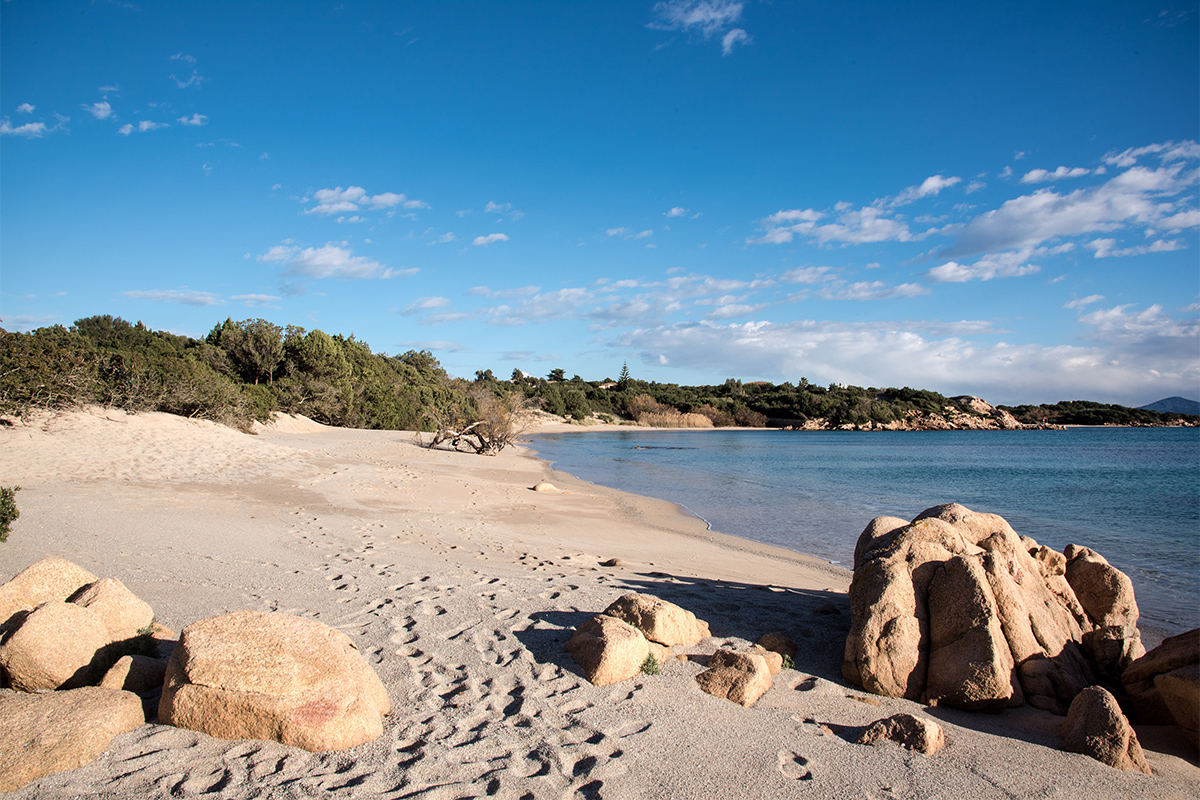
(124, 614)
(273, 676)
(137, 674)
(779, 643)
(1138, 677)
(1096, 727)
(739, 677)
(923, 735)
(57, 646)
(41, 734)
(49, 579)
(1180, 691)
(608, 650)
(773, 659)
(660, 621)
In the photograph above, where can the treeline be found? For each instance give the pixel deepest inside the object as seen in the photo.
(244, 371)
(1085, 412)
(240, 372)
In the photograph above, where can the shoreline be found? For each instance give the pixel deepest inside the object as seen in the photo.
(459, 585)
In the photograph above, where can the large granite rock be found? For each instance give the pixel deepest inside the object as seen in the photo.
(1180, 691)
(956, 608)
(1096, 727)
(1106, 595)
(56, 646)
(41, 734)
(254, 675)
(608, 650)
(49, 579)
(660, 621)
(915, 733)
(124, 614)
(1139, 677)
(739, 677)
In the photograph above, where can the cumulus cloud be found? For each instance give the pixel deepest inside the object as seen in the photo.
(1107, 248)
(1010, 264)
(1133, 197)
(1041, 175)
(1166, 151)
(676, 212)
(24, 108)
(484, 241)
(196, 120)
(332, 260)
(1154, 359)
(101, 110)
(852, 226)
(808, 275)
(927, 188)
(186, 297)
(355, 199)
(30, 130)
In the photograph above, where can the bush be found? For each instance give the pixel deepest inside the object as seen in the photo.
(8, 509)
(650, 666)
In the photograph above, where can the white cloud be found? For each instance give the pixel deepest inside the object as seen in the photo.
(1107, 248)
(24, 108)
(101, 110)
(496, 208)
(445, 238)
(735, 36)
(1133, 197)
(617, 231)
(677, 212)
(807, 275)
(974, 186)
(355, 198)
(1166, 151)
(189, 60)
(30, 130)
(643, 234)
(1041, 175)
(872, 290)
(867, 224)
(125, 129)
(195, 119)
(252, 300)
(424, 304)
(706, 17)
(1011, 264)
(1158, 359)
(484, 241)
(1084, 301)
(186, 297)
(930, 186)
(147, 125)
(332, 260)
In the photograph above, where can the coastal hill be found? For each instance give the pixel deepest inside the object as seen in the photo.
(244, 372)
(1174, 405)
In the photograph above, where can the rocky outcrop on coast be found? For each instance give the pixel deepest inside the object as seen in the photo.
(955, 608)
(968, 413)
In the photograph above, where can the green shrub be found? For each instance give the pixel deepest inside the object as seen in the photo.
(788, 663)
(650, 666)
(8, 509)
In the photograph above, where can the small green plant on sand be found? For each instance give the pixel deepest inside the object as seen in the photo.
(8, 509)
(650, 665)
(788, 663)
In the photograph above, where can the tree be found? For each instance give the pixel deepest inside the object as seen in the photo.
(556, 375)
(486, 423)
(623, 380)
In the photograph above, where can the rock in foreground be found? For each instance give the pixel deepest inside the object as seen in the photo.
(41, 734)
(662, 622)
(956, 608)
(1096, 727)
(254, 675)
(608, 650)
(923, 735)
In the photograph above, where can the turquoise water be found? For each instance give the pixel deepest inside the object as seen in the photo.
(1131, 494)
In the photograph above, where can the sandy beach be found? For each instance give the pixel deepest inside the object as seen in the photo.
(459, 584)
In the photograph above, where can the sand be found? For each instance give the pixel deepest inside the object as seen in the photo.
(460, 585)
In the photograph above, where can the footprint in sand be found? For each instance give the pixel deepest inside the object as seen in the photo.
(793, 765)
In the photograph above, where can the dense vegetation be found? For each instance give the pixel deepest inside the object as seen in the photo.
(1084, 412)
(244, 371)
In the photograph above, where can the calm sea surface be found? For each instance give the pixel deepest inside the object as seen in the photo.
(1131, 494)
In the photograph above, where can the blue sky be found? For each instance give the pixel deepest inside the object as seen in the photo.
(996, 199)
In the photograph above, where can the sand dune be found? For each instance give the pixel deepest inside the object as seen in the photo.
(460, 585)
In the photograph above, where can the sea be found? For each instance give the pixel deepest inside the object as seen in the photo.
(1131, 494)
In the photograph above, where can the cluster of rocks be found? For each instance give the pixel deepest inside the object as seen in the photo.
(73, 685)
(955, 608)
(613, 646)
(967, 414)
